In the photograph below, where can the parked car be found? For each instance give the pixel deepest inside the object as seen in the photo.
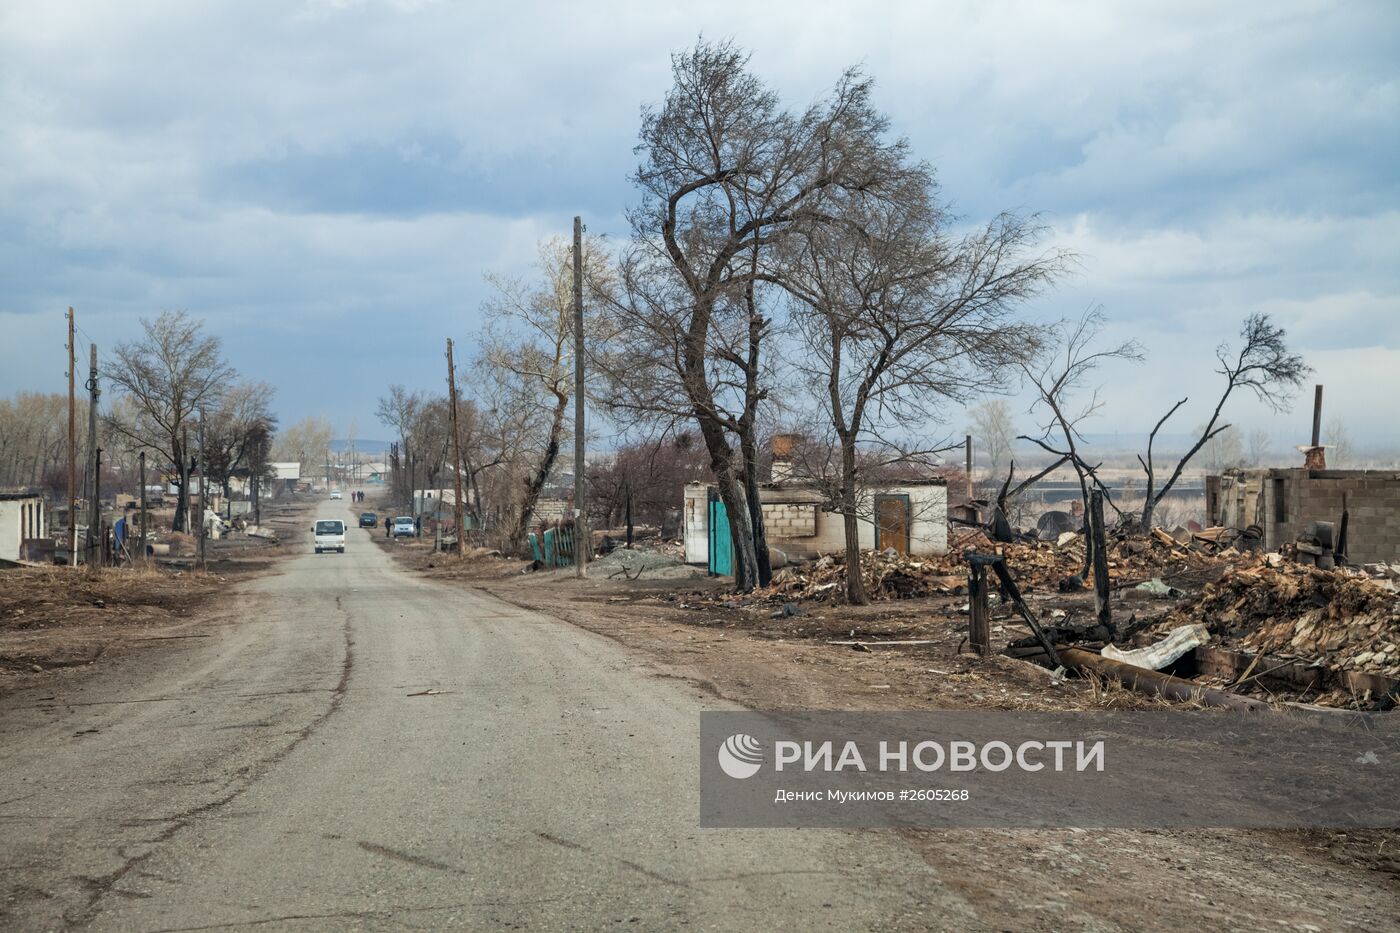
(335, 494)
(329, 534)
(369, 520)
(404, 527)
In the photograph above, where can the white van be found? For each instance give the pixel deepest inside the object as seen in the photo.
(330, 535)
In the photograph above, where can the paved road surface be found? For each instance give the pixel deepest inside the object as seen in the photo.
(277, 773)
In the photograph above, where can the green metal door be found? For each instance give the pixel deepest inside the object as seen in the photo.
(721, 561)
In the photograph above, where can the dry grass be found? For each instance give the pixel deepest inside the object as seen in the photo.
(37, 597)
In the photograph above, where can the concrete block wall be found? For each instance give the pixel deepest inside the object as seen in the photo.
(1372, 499)
(790, 519)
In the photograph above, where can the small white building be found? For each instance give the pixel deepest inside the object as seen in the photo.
(910, 516)
(22, 518)
(286, 476)
(435, 501)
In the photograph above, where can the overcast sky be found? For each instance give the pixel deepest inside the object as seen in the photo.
(325, 183)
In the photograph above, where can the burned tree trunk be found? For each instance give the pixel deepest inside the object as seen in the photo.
(749, 448)
(855, 583)
(535, 484)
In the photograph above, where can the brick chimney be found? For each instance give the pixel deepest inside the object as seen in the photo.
(782, 449)
(1315, 455)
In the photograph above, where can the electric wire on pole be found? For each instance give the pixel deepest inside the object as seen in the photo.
(94, 529)
(72, 450)
(457, 513)
(203, 488)
(580, 519)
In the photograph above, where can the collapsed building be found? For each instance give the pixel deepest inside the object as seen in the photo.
(1354, 512)
(1281, 504)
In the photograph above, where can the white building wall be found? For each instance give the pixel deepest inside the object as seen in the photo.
(928, 535)
(798, 527)
(695, 522)
(20, 520)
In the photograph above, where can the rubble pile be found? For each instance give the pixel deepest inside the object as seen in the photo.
(1034, 564)
(1340, 618)
(651, 564)
(887, 575)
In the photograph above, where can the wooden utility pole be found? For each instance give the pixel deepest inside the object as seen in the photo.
(94, 506)
(72, 451)
(143, 506)
(457, 514)
(203, 488)
(968, 445)
(184, 472)
(1103, 613)
(580, 519)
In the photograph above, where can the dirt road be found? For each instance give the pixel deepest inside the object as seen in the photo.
(368, 750)
(359, 747)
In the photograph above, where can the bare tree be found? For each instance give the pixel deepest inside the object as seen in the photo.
(400, 410)
(994, 429)
(528, 357)
(1059, 374)
(170, 375)
(308, 442)
(1223, 451)
(33, 443)
(726, 173)
(1340, 452)
(1263, 364)
(1260, 444)
(430, 438)
(239, 430)
(901, 317)
(641, 482)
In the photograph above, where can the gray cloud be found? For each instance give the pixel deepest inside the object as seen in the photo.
(334, 177)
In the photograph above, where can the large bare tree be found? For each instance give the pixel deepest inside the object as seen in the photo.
(1263, 364)
(400, 410)
(725, 174)
(528, 359)
(239, 433)
(169, 376)
(901, 316)
(1072, 354)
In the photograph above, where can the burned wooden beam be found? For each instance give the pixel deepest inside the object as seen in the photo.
(1155, 683)
(1103, 613)
(979, 625)
(1011, 591)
